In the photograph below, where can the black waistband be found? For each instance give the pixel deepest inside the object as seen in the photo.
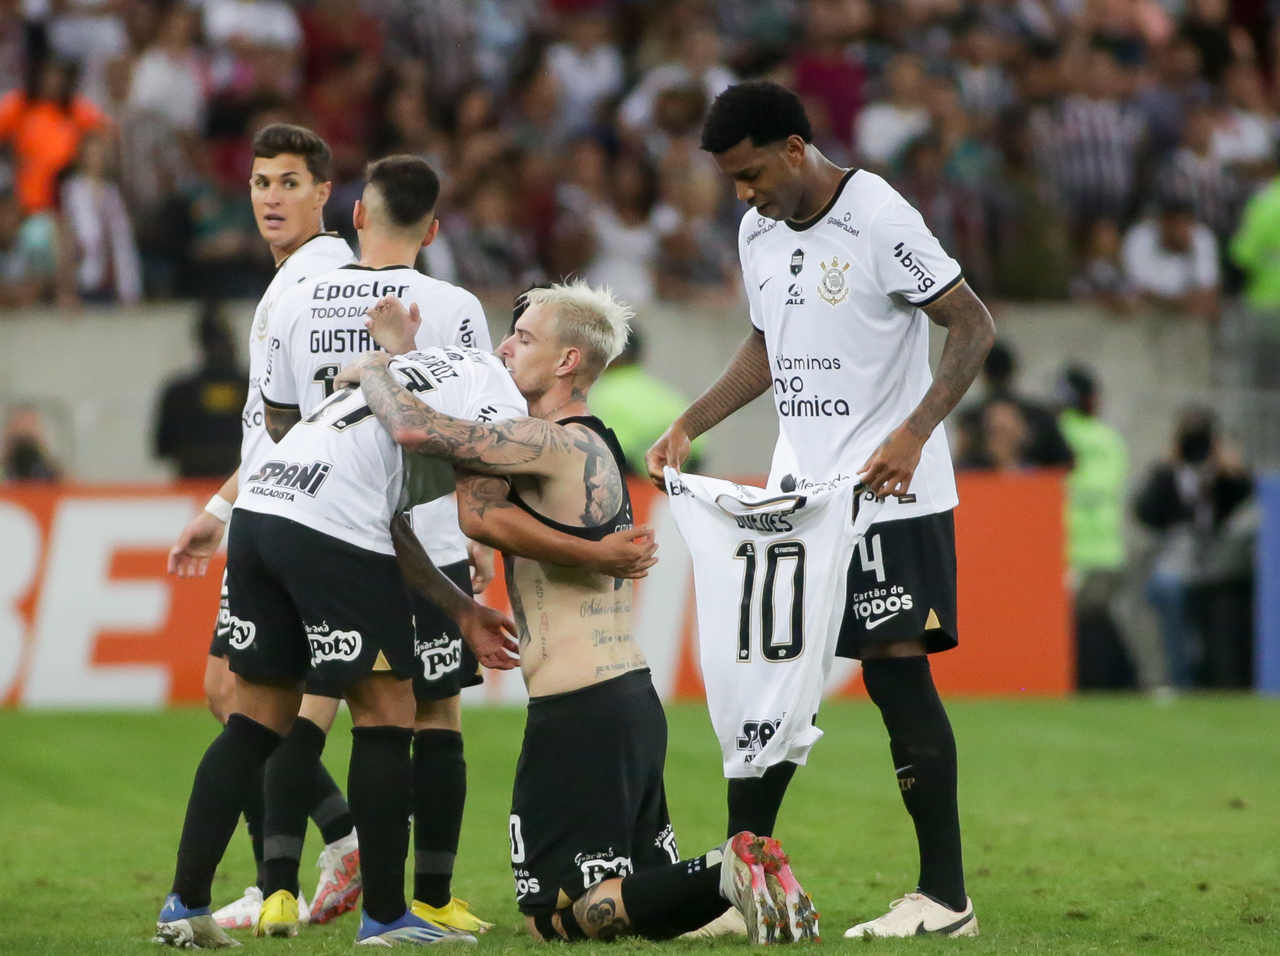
(628, 683)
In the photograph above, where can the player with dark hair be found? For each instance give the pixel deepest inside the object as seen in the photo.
(841, 276)
(288, 187)
(316, 327)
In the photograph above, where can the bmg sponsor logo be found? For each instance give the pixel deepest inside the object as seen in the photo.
(925, 280)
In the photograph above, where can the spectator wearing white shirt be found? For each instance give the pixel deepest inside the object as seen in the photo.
(170, 79)
(107, 264)
(1244, 139)
(698, 64)
(884, 128)
(1172, 261)
(588, 67)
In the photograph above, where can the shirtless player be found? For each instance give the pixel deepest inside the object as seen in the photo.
(592, 848)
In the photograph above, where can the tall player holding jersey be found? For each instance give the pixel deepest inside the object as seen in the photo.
(288, 186)
(841, 276)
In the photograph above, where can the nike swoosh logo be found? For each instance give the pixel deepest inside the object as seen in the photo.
(872, 625)
(943, 930)
(898, 770)
(765, 282)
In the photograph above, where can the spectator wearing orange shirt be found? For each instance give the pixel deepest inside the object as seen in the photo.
(44, 124)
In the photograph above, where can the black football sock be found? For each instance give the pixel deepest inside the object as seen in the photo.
(253, 813)
(754, 801)
(221, 789)
(439, 792)
(329, 807)
(378, 786)
(296, 759)
(924, 757)
(666, 901)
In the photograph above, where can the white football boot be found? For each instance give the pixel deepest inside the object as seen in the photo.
(918, 915)
(241, 913)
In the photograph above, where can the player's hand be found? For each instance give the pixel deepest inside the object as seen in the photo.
(354, 373)
(629, 553)
(189, 558)
(491, 636)
(481, 559)
(393, 326)
(890, 469)
(671, 449)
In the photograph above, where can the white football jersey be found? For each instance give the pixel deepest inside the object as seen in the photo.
(838, 300)
(318, 327)
(339, 471)
(769, 578)
(318, 254)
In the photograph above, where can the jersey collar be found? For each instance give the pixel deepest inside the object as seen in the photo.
(318, 235)
(800, 225)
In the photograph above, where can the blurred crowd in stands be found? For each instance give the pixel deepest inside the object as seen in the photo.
(1097, 149)
(1116, 152)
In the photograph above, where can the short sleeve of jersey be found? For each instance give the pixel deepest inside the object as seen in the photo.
(750, 280)
(279, 387)
(908, 259)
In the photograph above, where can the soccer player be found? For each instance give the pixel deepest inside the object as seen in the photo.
(288, 187)
(315, 592)
(592, 848)
(842, 277)
(316, 327)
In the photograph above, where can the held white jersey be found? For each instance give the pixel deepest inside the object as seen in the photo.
(839, 300)
(339, 471)
(769, 578)
(318, 327)
(318, 254)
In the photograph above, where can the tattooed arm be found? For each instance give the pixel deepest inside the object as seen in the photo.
(514, 446)
(487, 514)
(970, 333)
(279, 419)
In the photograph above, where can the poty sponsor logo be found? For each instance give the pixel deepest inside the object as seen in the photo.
(242, 632)
(439, 659)
(290, 475)
(925, 279)
(338, 646)
(595, 867)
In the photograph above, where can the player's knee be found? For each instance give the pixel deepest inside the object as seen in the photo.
(321, 711)
(439, 714)
(381, 701)
(218, 688)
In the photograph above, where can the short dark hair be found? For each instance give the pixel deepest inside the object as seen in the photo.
(408, 186)
(759, 110)
(271, 141)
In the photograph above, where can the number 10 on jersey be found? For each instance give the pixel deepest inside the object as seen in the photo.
(775, 554)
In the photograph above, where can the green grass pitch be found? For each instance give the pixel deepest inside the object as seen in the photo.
(1114, 825)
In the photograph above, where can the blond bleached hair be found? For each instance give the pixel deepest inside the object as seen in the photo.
(591, 318)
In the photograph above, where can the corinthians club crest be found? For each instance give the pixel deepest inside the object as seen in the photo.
(833, 287)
